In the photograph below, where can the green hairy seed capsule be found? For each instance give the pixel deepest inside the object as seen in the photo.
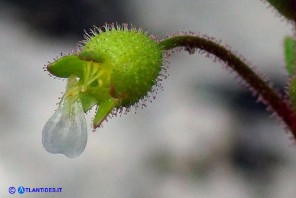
(130, 62)
(115, 67)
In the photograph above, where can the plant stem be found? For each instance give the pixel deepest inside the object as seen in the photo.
(269, 97)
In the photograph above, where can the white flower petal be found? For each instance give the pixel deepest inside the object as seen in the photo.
(66, 131)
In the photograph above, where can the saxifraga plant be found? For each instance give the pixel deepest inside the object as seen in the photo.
(118, 66)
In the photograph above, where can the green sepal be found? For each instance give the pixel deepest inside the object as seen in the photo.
(284, 7)
(87, 101)
(67, 66)
(104, 110)
(290, 45)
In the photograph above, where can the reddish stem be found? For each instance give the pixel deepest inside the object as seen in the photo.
(270, 98)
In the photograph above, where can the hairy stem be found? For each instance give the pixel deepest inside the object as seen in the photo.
(270, 97)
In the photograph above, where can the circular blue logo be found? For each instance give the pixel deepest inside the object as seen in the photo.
(11, 190)
(21, 190)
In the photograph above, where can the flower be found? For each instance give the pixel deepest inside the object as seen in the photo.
(66, 131)
(116, 67)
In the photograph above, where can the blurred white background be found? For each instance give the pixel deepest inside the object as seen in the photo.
(202, 136)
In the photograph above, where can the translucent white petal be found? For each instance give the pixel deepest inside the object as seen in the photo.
(66, 131)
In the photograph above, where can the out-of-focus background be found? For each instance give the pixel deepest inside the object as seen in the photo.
(203, 136)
